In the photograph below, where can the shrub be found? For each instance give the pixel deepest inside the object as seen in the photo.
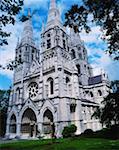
(73, 128)
(66, 132)
(88, 132)
(69, 131)
(108, 133)
(113, 132)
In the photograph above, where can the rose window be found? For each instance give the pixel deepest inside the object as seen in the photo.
(33, 90)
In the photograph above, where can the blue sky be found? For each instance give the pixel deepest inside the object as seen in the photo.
(95, 46)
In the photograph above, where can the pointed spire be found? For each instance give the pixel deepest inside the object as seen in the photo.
(53, 12)
(29, 12)
(43, 26)
(17, 42)
(52, 4)
(27, 35)
(75, 37)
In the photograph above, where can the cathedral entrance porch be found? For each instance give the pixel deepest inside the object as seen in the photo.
(48, 125)
(29, 124)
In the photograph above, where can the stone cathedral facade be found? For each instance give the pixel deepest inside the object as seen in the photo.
(55, 84)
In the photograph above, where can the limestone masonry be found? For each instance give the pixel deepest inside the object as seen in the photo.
(54, 86)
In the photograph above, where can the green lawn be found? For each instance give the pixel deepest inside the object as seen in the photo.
(63, 144)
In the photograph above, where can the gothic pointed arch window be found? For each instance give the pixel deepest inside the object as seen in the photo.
(48, 35)
(73, 54)
(17, 94)
(51, 85)
(68, 86)
(48, 43)
(79, 69)
(91, 94)
(67, 80)
(99, 93)
(12, 127)
(48, 40)
(64, 44)
(80, 56)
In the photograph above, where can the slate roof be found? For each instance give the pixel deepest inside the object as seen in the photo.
(87, 101)
(95, 80)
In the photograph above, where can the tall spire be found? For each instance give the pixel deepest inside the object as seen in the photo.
(53, 12)
(75, 37)
(52, 4)
(29, 12)
(27, 35)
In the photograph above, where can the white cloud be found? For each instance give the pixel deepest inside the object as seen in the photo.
(93, 36)
(96, 50)
(102, 61)
(7, 52)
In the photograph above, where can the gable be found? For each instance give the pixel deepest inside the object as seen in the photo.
(34, 68)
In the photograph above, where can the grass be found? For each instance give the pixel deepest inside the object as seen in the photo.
(63, 144)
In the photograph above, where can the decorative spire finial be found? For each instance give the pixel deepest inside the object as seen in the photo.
(17, 41)
(43, 26)
(29, 12)
(52, 4)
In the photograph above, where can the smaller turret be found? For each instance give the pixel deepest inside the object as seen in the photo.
(27, 35)
(53, 15)
(75, 38)
(26, 50)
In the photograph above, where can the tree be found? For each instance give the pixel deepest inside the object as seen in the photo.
(115, 86)
(8, 10)
(105, 14)
(4, 100)
(109, 113)
(69, 131)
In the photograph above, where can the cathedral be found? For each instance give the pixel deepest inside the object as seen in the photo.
(54, 86)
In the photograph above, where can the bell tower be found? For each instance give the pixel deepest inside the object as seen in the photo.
(26, 51)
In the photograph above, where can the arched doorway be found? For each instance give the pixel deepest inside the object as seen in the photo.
(28, 123)
(13, 124)
(48, 124)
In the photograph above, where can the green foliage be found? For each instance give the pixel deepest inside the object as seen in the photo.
(73, 128)
(63, 144)
(108, 114)
(115, 86)
(69, 131)
(107, 133)
(3, 117)
(88, 132)
(8, 10)
(66, 132)
(105, 14)
(110, 111)
(4, 99)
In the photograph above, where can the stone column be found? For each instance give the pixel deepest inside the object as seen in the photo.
(35, 130)
(40, 128)
(18, 129)
(7, 130)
